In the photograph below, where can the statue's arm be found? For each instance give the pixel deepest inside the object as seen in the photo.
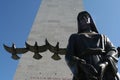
(112, 55)
(70, 55)
(111, 50)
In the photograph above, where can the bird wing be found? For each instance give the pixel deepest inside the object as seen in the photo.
(62, 51)
(9, 49)
(14, 50)
(29, 47)
(21, 50)
(42, 48)
(36, 48)
(56, 49)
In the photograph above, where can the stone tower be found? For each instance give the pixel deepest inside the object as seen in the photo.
(56, 20)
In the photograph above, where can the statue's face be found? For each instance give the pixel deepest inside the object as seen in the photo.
(84, 22)
(85, 19)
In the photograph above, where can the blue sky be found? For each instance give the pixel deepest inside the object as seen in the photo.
(17, 16)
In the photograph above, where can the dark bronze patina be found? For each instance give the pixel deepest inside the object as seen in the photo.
(36, 50)
(89, 54)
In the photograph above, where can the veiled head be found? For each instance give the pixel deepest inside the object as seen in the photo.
(85, 22)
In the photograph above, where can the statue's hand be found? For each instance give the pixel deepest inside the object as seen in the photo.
(79, 60)
(82, 61)
(102, 69)
(104, 64)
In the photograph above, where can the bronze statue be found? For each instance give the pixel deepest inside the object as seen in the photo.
(90, 55)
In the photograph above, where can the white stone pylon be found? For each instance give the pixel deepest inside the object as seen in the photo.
(56, 20)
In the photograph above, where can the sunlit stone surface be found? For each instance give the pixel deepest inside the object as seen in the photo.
(55, 20)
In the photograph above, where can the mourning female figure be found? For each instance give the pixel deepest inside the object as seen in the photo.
(91, 55)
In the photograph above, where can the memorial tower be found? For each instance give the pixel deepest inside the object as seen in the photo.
(56, 20)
